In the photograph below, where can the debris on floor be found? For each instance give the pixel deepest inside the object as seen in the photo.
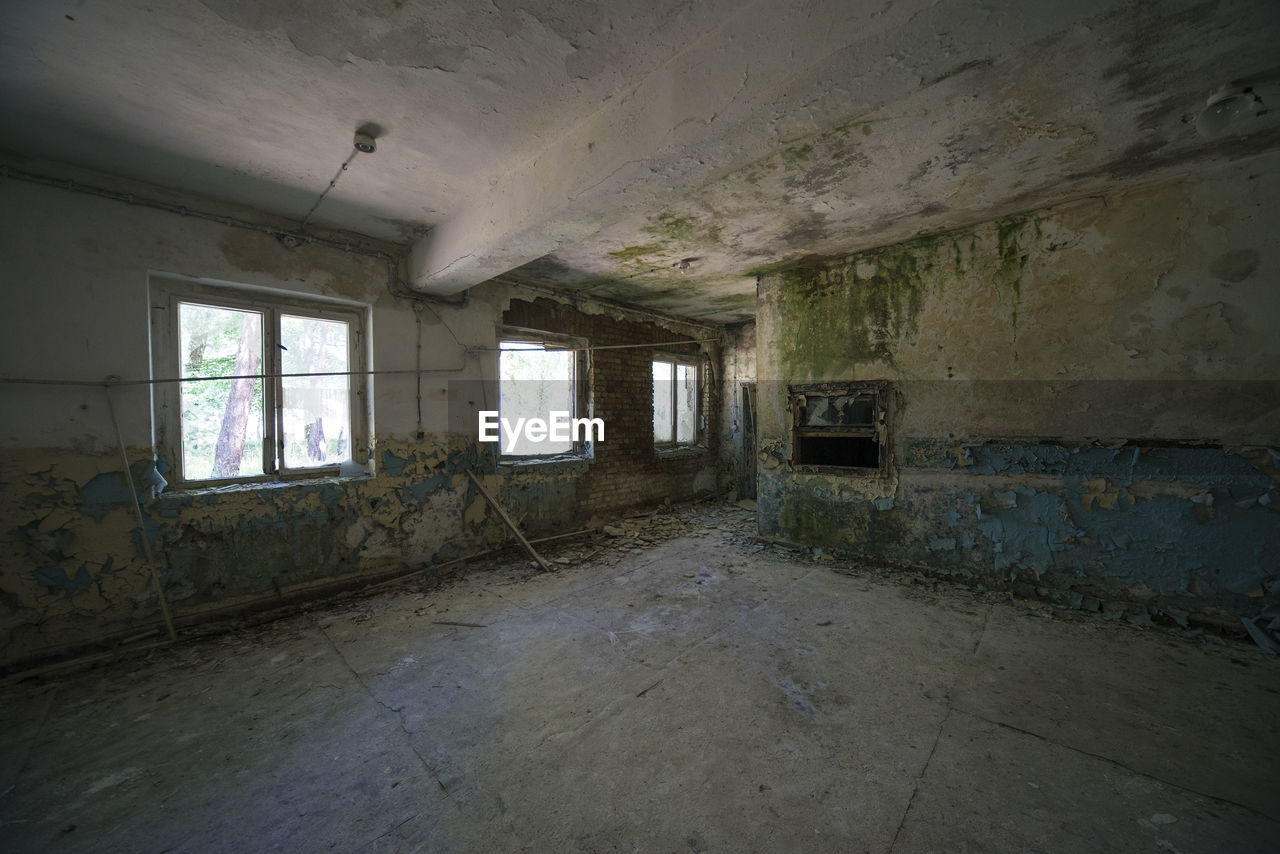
(757, 689)
(1265, 629)
(733, 526)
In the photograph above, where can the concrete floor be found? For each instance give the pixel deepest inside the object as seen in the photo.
(697, 694)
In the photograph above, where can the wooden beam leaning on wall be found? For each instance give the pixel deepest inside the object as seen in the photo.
(510, 524)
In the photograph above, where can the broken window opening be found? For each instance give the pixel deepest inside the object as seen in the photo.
(840, 426)
(845, 451)
(542, 375)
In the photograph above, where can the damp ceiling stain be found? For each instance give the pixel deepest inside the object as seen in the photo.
(932, 126)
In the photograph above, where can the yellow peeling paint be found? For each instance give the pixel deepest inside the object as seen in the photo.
(1147, 489)
(387, 514)
(1097, 489)
(1265, 459)
(58, 519)
(475, 511)
(56, 530)
(308, 503)
(83, 468)
(91, 600)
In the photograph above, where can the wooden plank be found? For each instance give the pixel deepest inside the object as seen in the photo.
(137, 511)
(510, 524)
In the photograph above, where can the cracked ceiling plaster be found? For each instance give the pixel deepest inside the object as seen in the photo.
(655, 153)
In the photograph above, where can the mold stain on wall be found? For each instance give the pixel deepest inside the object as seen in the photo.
(1056, 429)
(844, 313)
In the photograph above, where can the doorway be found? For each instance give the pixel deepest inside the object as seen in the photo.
(747, 480)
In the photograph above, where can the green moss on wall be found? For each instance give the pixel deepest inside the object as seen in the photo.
(681, 229)
(797, 153)
(850, 312)
(855, 526)
(1015, 235)
(836, 314)
(635, 254)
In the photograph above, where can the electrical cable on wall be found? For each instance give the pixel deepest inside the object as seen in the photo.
(293, 239)
(369, 373)
(333, 183)
(287, 237)
(364, 143)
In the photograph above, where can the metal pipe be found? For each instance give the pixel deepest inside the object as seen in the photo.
(375, 373)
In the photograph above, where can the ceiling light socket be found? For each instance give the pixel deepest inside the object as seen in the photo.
(1229, 111)
(365, 144)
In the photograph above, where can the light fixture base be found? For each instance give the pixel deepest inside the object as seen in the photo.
(1229, 112)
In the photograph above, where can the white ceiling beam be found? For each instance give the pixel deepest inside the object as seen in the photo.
(773, 73)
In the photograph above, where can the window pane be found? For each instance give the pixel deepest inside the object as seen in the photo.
(534, 383)
(839, 410)
(221, 419)
(686, 404)
(663, 417)
(316, 409)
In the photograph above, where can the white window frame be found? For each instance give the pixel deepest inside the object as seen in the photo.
(695, 362)
(582, 402)
(167, 293)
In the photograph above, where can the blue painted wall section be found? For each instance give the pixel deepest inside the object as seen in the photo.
(1163, 531)
(77, 564)
(1082, 410)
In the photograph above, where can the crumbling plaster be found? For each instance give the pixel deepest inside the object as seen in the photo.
(73, 568)
(1085, 398)
(659, 154)
(927, 120)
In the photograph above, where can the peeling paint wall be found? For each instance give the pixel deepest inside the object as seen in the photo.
(73, 570)
(1085, 406)
(625, 471)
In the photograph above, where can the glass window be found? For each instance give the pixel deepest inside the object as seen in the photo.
(675, 402)
(686, 394)
(267, 386)
(221, 409)
(663, 403)
(315, 358)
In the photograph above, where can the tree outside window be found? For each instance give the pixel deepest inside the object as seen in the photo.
(268, 387)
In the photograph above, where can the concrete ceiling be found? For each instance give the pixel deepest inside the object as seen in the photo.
(655, 152)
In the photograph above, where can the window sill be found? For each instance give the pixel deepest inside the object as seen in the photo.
(564, 462)
(842, 471)
(680, 451)
(193, 490)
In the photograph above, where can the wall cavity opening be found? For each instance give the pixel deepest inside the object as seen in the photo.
(840, 426)
(847, 451)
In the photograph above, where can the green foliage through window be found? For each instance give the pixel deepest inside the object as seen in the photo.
(221, 418)
(233, 424)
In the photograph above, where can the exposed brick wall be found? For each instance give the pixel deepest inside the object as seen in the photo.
(626, 472)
